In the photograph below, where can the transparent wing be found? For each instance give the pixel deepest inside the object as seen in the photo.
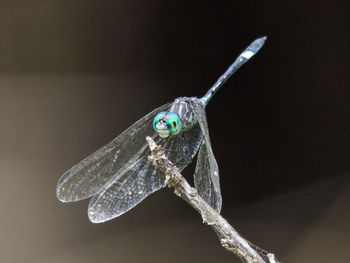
(206, 177)
(181, 149)
(134, 182)
(87, 177)
(126, 189)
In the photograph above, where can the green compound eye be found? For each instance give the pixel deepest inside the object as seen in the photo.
(159, 116)
(166, 123)
(173, 122)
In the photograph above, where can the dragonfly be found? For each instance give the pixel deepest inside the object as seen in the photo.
(120, 175)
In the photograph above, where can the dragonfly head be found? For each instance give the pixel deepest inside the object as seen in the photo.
(166, 123)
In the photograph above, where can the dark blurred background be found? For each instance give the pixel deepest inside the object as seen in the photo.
(75, 74)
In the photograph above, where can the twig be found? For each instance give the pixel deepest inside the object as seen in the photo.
(229, 237)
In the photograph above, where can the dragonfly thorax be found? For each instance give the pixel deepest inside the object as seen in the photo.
(183, 109)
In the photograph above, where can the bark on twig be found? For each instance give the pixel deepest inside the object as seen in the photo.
(229, 237)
